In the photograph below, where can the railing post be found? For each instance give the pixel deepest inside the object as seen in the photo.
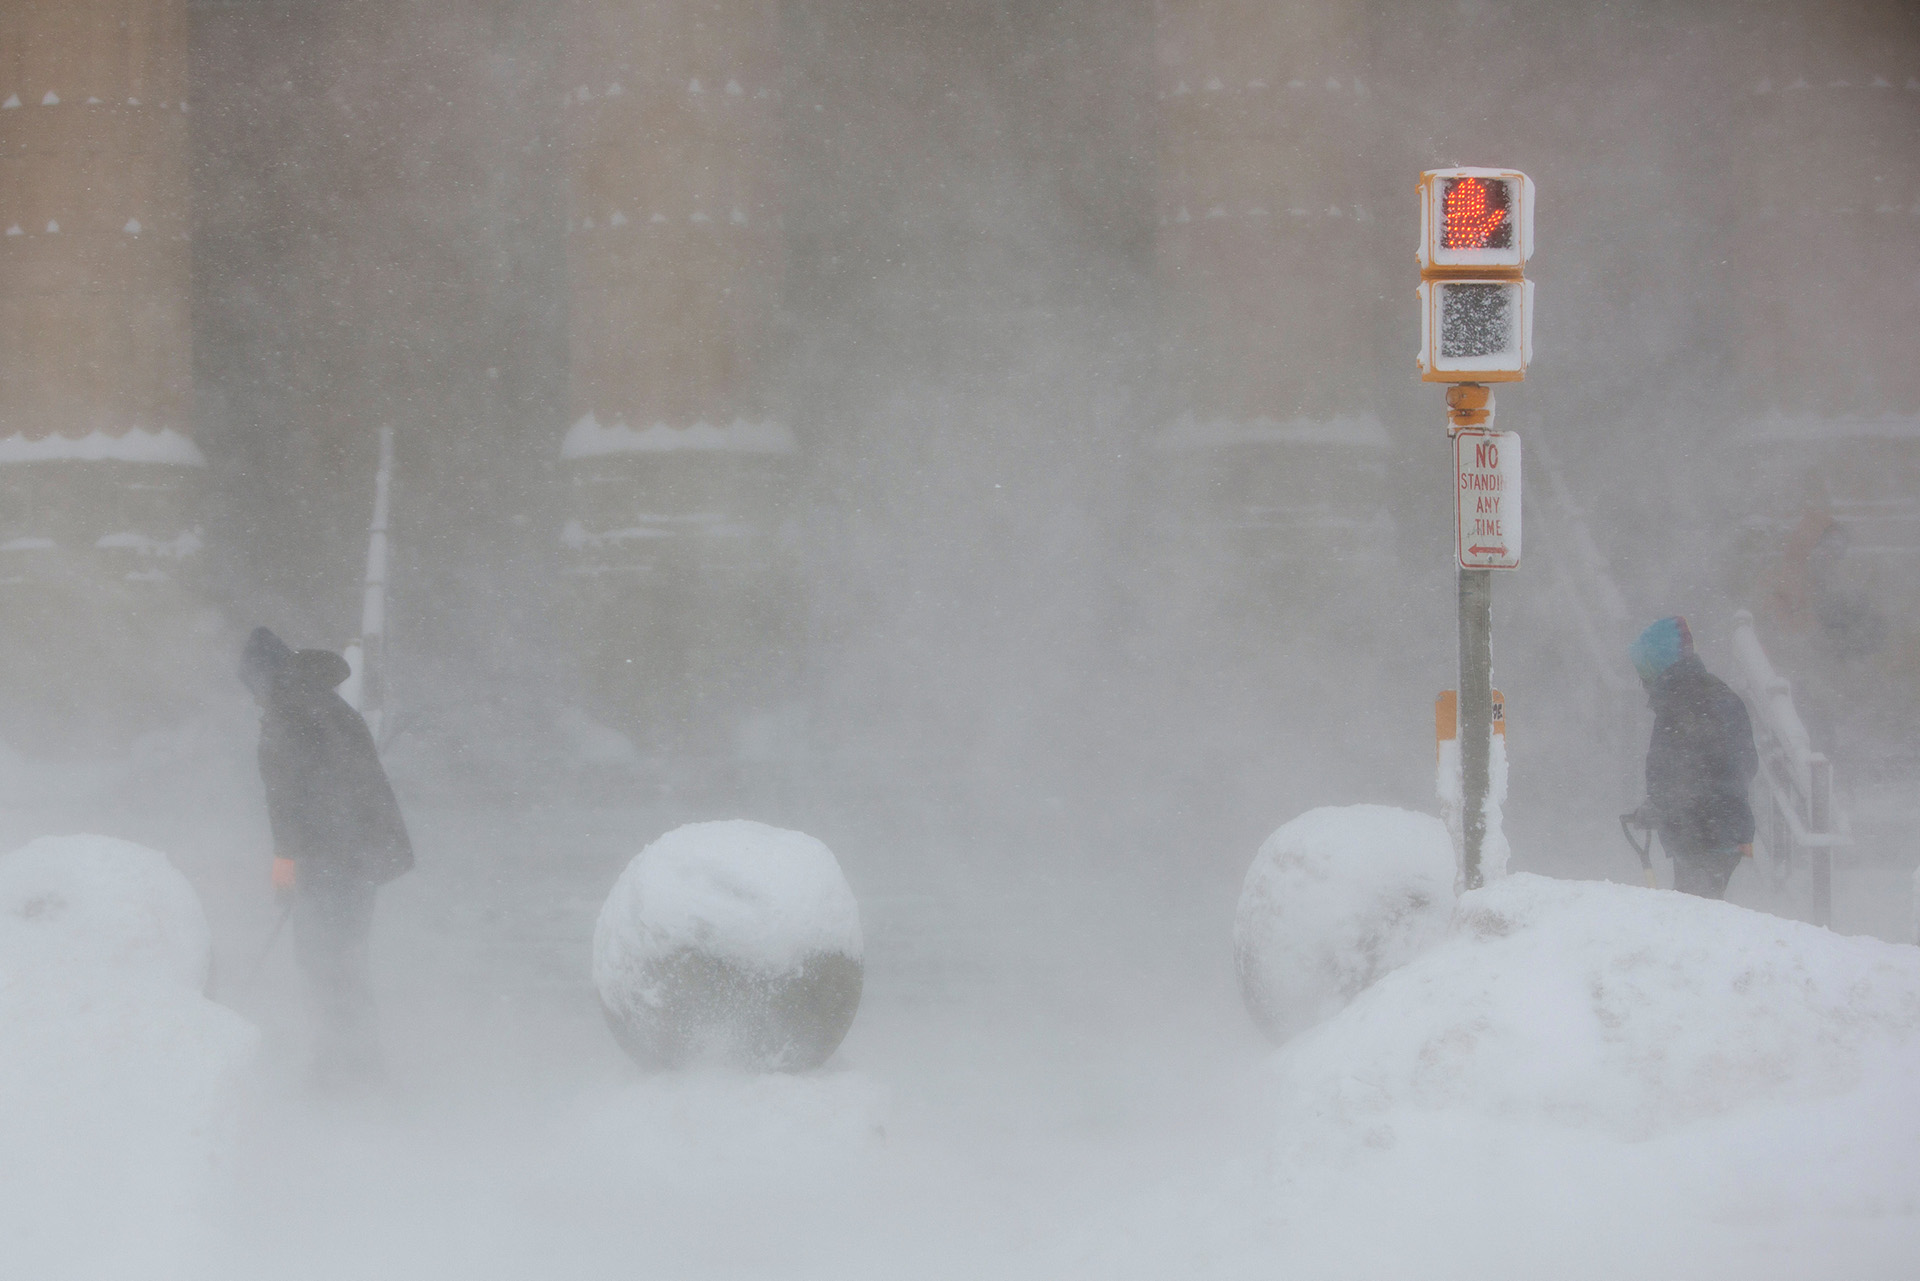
(1476, 717)
(1820, 823)
(1799, 780)
(1820, 795)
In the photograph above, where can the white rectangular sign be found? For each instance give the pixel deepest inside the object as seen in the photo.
(1486, 469)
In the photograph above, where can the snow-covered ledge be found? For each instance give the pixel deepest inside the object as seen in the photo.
(1357, 431)
(588, 439)
(137, 445)
(1808, 428)
(188, 543)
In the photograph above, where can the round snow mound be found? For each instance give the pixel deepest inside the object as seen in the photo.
(97, 903)
(1335, 899)
(731, 943)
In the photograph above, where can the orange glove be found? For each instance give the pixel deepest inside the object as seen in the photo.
(283, 875)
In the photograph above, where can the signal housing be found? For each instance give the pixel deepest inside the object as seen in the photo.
(1476, 307)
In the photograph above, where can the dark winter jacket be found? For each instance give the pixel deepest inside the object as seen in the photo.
(1700, 762)
(328, 798)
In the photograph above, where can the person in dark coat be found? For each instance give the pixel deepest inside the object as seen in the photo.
(337, 835)
(1699, 763)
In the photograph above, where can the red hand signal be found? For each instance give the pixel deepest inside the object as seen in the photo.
(1470, 223)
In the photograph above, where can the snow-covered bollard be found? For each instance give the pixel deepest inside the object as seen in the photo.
(731, 943)
(1335, 899)
(79, 904)
(120, 1080)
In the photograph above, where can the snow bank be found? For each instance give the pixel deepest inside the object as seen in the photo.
(117, 1077)
(731, 941)
(1335, 899)
(1634, 1078)
(1613, 1008)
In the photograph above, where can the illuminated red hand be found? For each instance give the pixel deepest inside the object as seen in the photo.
(1470, 223)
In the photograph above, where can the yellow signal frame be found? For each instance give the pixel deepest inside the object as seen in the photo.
(1428, 357)
(1436, 260)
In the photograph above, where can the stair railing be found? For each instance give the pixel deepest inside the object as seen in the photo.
(1798, 825)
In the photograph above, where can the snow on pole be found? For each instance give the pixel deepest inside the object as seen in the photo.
(368, 680)
(1449, 787)
(1494, 848)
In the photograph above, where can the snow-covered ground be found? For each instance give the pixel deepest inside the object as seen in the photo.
(1051, 1075)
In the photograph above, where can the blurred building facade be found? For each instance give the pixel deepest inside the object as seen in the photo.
(1823, 461)
(1268, 253)
(554, 248)
(677, 466)
(99, 533)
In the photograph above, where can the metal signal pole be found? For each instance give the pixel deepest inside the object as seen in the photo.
(1476, 715)
(1476, 327)
(1471, 405)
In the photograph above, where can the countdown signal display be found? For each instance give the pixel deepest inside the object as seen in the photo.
(1475, 330)
(1476, 220)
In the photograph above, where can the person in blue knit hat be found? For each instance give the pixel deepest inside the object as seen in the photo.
(1699, 764)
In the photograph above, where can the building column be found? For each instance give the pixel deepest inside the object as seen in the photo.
(1270, 456)
(677, 464)
(97, 459)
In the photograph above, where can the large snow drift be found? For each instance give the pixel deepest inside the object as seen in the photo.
(730, 942)
(1335, 899)
(117, 1077)
(1586, 1078)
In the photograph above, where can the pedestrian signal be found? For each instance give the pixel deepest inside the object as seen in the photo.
(1475, 219)
(1475, 330)
(1474, 214)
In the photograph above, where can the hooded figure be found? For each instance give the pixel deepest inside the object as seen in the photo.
(1699, 763)
(337, 835)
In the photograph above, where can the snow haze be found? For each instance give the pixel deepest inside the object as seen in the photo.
(980, 439)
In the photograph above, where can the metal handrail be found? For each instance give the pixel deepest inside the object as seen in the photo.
(1801, 825)
(1590, 604)
(1587, 586)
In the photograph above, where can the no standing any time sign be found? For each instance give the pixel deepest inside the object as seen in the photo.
(1486, 466)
